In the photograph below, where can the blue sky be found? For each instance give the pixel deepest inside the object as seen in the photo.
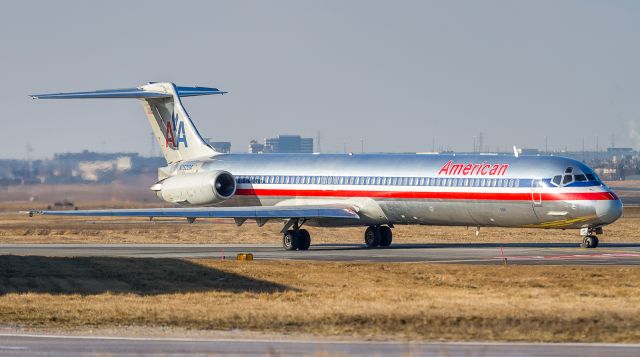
(396, 73)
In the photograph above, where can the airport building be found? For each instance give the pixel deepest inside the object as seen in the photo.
(283, 144)
(220, 146)
(255, 147)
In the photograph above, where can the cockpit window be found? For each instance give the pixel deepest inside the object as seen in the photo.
(580, 174)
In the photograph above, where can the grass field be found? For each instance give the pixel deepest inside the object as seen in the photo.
(343, 300)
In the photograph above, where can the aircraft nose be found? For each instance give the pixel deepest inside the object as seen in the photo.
(610, 210)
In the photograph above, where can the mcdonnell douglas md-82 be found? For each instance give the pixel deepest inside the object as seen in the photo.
(376, 191)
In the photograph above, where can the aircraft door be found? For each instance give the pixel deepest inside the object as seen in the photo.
(536, 192)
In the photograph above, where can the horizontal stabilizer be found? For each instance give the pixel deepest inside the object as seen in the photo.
(130, 93)
(263, 212)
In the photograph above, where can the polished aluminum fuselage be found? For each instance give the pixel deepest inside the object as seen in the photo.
(473, 190)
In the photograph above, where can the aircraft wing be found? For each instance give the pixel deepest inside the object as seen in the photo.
(250, 212)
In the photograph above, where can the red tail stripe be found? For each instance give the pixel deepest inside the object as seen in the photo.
(493, 196)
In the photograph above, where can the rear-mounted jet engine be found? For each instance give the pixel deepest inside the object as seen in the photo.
(197, 189)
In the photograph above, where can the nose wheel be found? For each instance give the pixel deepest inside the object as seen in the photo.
(589, 242)
(589, 239)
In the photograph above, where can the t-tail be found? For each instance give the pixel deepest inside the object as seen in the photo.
(171, 125)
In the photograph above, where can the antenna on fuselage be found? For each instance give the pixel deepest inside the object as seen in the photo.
(515, 151)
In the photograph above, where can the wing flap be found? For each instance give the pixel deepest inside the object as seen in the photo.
(255, 212)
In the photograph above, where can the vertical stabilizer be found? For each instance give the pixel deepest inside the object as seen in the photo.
(171, 125)
(177, 136)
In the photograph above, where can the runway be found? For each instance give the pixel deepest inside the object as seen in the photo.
(43, 345)
(476, 253)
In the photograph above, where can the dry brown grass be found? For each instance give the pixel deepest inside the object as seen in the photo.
(361, 300)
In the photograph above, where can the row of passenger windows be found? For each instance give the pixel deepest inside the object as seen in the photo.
(381, 181)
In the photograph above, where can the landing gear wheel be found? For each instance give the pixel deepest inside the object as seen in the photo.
(291, 240)
(590, 242)
(385, 236)
(305, 239)
(372, 237)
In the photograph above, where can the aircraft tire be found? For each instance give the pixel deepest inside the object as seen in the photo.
(386, 236)
(372, 237)
(305, 239)
(291, 240)
(590, 242)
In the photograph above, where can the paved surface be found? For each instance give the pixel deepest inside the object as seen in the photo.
(477, 253)
(41, 345)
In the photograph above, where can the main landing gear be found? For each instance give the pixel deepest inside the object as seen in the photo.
(589, 239)
(296, 239)
(378, 236)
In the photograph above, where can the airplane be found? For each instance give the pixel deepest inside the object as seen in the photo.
(377, 191)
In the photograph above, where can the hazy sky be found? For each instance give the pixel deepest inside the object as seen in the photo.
(396, 73)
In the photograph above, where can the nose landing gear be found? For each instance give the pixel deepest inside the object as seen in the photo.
(589, 239)
(589, 242)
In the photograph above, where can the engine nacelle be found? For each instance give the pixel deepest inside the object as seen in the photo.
(197, 189)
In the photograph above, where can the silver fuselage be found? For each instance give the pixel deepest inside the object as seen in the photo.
(456, 190)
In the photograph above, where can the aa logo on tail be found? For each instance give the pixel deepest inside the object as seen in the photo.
(175, 130)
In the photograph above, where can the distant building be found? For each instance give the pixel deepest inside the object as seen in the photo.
(289, 144)
(220, 146)
(255, 147)
(525, 151)
(620, 152)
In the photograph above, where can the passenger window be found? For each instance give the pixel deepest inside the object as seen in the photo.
(567, 179)
(556, 180)
(580, 178)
